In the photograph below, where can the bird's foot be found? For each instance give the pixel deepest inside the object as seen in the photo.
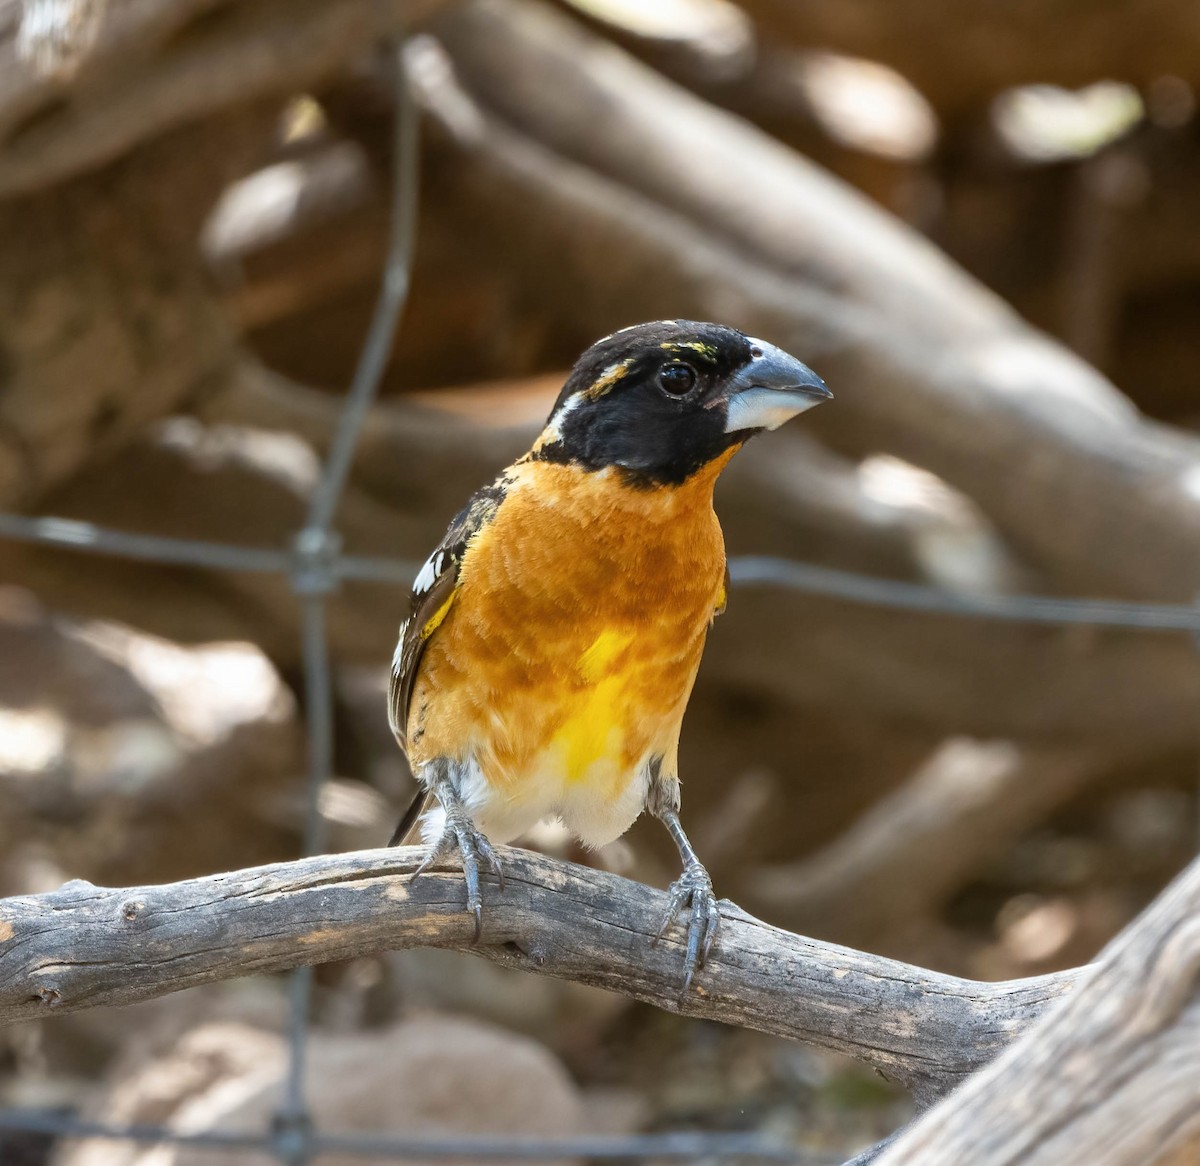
(693, 888)
(475, 850)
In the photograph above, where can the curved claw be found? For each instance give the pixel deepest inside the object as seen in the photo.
(693, 888)
(473, 848)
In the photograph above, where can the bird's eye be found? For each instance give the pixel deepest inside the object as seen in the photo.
(677, 379)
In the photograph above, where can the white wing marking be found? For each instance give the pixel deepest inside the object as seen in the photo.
(427, 576)
(398, 654)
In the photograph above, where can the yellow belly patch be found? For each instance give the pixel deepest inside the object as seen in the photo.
(591, 740)
(597, 662)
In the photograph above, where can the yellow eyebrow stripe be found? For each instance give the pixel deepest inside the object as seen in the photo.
(607, 379)
(695, 345)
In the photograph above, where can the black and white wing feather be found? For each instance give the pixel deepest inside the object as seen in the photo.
(432, 596)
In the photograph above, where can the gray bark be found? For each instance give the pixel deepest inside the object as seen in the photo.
(83, 946)
(1109, 1075)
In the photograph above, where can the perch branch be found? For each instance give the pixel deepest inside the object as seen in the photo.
(83, 946)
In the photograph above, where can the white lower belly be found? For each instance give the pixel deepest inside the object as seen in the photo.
(597, 808)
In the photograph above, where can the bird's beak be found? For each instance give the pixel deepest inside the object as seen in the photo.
(771, 389)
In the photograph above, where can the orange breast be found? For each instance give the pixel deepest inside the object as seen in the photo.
(576, 630)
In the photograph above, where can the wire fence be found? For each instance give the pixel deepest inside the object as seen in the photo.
(315, 566)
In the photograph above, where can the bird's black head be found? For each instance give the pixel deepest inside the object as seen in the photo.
(659, 401)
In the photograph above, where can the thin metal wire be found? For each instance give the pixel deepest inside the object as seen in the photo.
(762, 570)
(744, 571)
(318, 549)
(318, 704)
(73, 535)
(479, 1146)
(397, 279)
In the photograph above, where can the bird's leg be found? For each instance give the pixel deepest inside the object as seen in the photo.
(693, 887)
(459, 834)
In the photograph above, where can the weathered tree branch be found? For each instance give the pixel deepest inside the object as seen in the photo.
(83, 946)
(1111, 1074)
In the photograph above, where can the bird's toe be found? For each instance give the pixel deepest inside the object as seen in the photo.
(474, 851)
(693, 888)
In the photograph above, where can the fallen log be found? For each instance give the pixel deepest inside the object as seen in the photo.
(1110, 1074)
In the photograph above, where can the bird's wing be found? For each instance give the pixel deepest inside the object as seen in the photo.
(432, 596)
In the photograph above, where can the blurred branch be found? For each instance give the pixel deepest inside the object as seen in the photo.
(152, 66)
(954, 54)
(716, 220)
(83, 946)
(106, 308)
(915, 846)
(860, 119)
(1111, 1074)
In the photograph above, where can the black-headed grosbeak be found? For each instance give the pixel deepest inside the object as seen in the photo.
(555, 632)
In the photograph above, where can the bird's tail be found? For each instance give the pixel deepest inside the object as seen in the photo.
(407, 828)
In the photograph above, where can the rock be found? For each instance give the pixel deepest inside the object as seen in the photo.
(126, 758)
(427, 1076)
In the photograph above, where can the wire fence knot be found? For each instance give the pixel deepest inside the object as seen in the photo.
(315, 554)
(292, 1137)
